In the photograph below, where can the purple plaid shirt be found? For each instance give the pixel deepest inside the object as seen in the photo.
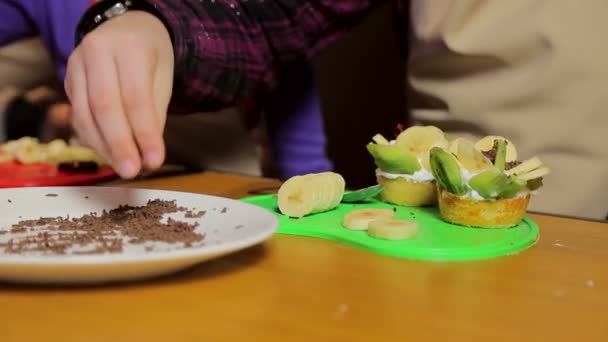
(227, 50)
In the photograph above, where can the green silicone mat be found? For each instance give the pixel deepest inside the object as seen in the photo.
(436, 240)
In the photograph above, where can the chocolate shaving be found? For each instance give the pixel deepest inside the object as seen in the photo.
(51, 195)
(105, 232)
(512, 164)
(491, 155)
(191, 214)
(18, 230)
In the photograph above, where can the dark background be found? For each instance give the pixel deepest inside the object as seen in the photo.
(361, 81)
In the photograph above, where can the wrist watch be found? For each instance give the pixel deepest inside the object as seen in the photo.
(105, 10)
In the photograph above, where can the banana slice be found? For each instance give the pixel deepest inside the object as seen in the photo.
(380, 139)
(392, 229)
(340, 187)
(30, 153)
(330, 186)
(359, 219)
(525, 167)
(5, 155)
(56, 146)
(453, 146)
(471, 158)
(309, 194)
(540, 172)
(295, 200)
(55, 149)
(79, 153)
(14, 146)
(425, 161)
(486, 143)
(418, 140)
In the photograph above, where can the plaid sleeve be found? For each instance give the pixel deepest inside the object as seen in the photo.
(226, 50)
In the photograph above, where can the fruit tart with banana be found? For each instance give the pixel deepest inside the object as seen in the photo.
(403, 166)
(483, 184)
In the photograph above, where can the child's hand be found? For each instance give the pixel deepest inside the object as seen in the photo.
(119, 81)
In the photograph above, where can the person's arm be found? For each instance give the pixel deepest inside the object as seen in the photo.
(15, 25)
(121, 77)
(54, 21)
(225, 50)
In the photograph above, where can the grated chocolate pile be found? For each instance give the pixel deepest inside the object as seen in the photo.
(107, 233)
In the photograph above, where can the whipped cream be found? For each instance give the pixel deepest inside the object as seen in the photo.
(423, 175)
(420, 176)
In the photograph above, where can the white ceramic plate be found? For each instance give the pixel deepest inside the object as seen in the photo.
(239, 226)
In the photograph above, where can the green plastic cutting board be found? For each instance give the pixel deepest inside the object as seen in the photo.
(436, 240)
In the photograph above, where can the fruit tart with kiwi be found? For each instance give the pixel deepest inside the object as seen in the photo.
(483, 184)
(403, 166)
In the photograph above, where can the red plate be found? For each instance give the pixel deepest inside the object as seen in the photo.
(14, 175)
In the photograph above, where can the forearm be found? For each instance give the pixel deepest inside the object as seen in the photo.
(227, 50)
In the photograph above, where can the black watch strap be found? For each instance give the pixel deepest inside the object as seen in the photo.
(105, 10)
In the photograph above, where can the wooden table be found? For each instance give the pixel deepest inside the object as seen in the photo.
(303, 289)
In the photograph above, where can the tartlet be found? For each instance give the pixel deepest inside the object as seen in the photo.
(483, 184)
(403, 166)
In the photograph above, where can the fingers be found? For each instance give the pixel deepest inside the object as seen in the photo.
(106, 107)
(136, 83)
(120, 83)
(76, 89)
